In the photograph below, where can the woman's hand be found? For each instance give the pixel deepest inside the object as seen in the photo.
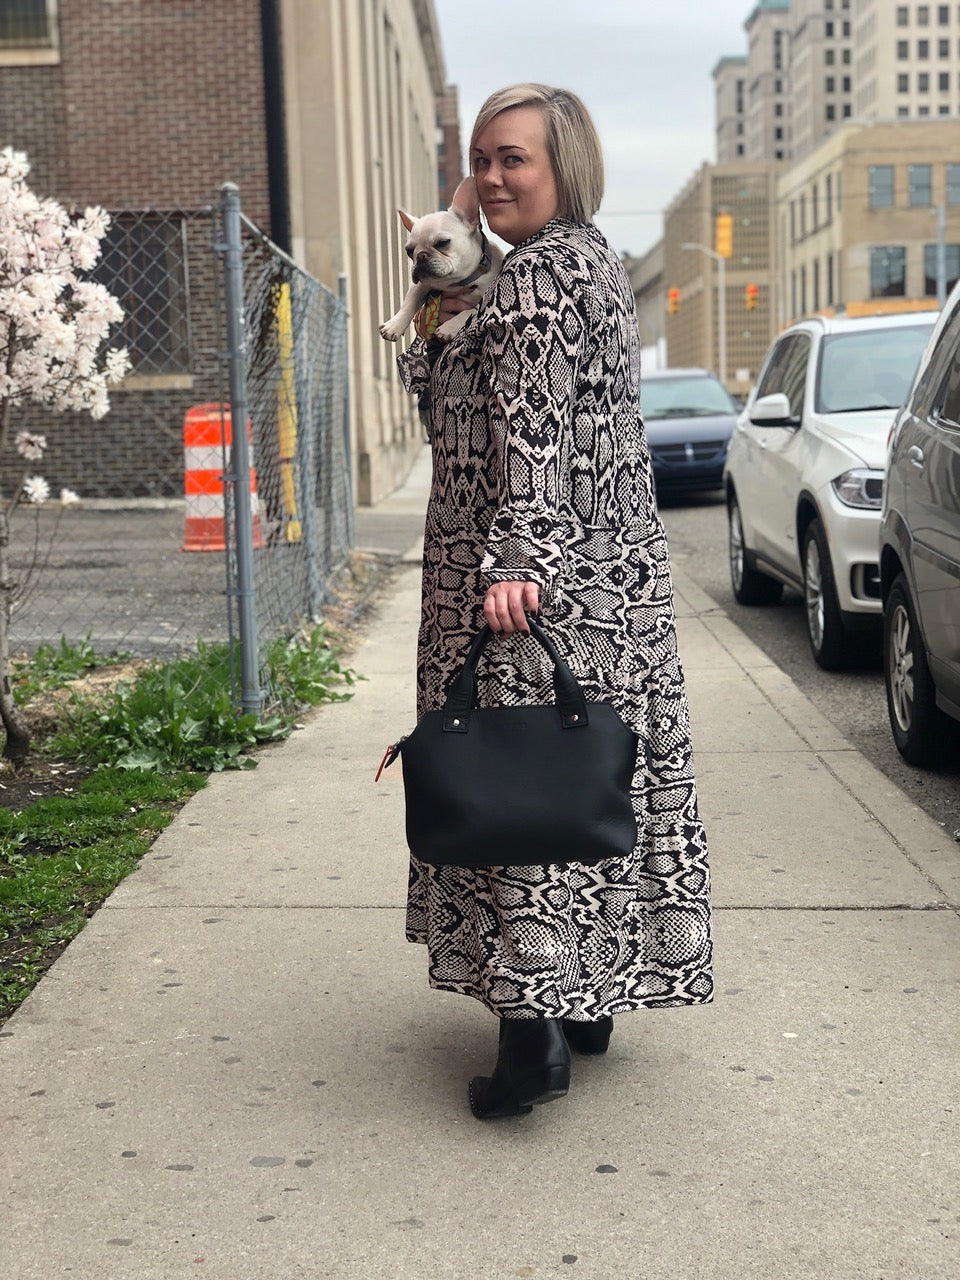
(506, 605)
(451, 304)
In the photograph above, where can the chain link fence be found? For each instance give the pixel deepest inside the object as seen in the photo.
(145, 563)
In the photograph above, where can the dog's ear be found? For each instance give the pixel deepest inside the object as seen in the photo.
(466, 203)
(406, 219)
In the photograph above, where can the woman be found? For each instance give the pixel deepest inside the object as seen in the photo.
(543, 501)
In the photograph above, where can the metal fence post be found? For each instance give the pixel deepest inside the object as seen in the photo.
(347, 444)
(251, 696)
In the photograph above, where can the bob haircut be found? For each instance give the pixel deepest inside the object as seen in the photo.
(572, 143)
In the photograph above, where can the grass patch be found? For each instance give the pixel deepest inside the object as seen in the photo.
(147, 744)
(60, 857)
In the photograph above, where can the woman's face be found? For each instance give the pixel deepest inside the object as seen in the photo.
(515, 179)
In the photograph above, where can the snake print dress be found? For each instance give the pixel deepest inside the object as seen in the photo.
(541, 472)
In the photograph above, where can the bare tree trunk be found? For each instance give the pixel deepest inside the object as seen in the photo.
(17, 742)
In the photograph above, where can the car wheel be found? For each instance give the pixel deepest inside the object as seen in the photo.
(749, 586)
(829, 639)
(917, 722)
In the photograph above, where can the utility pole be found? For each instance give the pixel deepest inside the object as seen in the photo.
(721, 304)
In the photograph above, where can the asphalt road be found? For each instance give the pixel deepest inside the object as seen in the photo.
(854, 700)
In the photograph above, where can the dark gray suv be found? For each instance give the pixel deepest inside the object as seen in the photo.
(920, 552)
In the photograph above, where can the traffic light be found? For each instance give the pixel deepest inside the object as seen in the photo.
(750, 294)
(673, 301)
(723, 235)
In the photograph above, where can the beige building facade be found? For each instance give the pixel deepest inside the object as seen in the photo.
(695, 332)
(858, 220)
(730, 98)
(768, 28)
(907, 60)
(362, 79)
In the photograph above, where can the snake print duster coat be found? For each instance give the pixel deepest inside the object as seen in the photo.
(541, 472)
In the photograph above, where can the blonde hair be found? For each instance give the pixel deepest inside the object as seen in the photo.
(572, 143)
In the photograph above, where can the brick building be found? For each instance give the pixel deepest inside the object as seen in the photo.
(323, 112)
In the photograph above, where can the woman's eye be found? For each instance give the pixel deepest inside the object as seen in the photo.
(479, 163)
(512, 161)
(441, 244)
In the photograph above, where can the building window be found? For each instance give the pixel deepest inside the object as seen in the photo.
(27, 24)
(943, 81)
(953, 184)
(903, 16)
(845, 57)
(881, 186)
(943, 109)
(778, 108)
(778, 155)
(828, 58)
(830, 112)
(902, 112)
(919, 185)
(828, 197)
(846, 84)
(923, 111)
(923, 82)
(739, 148)
(923, 48)
(816, 284)
(951, 266)
(847, 111)
(143, 266)
(888, 271)
(828, 30)
(829, 279)
(903, 50)
(943, 14)
(903, 84)
(828, 85)
(815, 207)
(923, 15)
(943, 48)
(778, 134)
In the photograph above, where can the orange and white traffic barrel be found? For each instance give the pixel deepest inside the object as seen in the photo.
(207, 437)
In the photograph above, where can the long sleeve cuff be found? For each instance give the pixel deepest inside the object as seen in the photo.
(414, 365)
(523, 545)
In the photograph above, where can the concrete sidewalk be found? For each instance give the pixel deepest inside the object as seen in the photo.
(238, 1070)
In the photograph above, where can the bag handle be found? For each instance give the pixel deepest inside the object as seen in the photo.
(571, 701)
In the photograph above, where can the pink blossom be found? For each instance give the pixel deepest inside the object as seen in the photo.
(30, 445)
(36, 489)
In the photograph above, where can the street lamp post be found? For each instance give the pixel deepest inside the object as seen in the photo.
(721, 304)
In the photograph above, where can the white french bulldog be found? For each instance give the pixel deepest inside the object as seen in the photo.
(448, 251)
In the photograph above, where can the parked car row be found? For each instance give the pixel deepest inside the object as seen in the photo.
(842, 480)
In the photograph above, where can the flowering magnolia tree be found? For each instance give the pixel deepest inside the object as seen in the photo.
(54, 325)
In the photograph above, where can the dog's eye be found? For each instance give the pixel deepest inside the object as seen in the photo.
(441, 244)
(409, 250)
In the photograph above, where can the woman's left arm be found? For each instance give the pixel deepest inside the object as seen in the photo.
(535, 332)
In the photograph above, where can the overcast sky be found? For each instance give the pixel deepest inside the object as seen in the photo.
(641, 66)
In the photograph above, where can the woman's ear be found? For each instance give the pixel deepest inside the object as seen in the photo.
(466, 203)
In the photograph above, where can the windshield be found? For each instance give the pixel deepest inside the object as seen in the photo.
(869, 369)
(693, 397)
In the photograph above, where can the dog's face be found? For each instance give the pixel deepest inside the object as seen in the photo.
(441, 246)
(445, 246)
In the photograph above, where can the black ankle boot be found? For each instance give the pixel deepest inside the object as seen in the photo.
(588, 1037)
(533, 1066)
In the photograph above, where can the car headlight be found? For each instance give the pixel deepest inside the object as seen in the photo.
(860, 488)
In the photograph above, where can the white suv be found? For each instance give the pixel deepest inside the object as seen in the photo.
(805, 466)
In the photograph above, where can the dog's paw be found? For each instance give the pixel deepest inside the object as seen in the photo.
(391, 331)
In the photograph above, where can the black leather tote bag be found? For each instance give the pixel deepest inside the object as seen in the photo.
(507, 786)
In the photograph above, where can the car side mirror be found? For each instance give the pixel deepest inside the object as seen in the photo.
(772, 411)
